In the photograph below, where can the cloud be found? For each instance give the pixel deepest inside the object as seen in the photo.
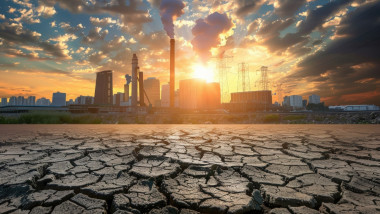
(94, 35)
(102, 22)
(170, 10)
(2, 16)
(207, 33)
(245, 7)
(350, 58)
(45, 11)
(14, 34)
(287, 8)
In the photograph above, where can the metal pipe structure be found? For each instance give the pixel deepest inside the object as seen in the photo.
(141, 88)
(172, 72)
(135, 64)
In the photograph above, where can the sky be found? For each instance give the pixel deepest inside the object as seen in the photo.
(326, 47)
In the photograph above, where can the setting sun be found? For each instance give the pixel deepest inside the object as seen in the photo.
(205, 72)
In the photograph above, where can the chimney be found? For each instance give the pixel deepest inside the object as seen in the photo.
(135, 64)
(141, 88)
(172, 72)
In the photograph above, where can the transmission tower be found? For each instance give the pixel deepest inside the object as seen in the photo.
(243, 77)
(264, 83)
(223, 67)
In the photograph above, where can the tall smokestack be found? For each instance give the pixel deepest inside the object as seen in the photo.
(172, 72)
(135, 64)
(141, 88)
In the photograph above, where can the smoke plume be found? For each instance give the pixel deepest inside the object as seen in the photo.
(206, 33)
(170, 10)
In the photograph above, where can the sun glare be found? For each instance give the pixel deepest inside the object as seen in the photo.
(203, 72)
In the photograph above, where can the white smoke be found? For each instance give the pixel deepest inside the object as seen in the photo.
(170, 10)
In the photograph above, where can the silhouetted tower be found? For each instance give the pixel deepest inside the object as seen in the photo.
(243, 77)
(141, 88)
(223, 68)
(104, 88)
(126, 87)
(172, 72)
(264, 83)
(135, 65)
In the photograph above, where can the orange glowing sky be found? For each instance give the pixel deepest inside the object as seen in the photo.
(323, 47)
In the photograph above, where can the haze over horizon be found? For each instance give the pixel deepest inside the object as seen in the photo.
(329, 48)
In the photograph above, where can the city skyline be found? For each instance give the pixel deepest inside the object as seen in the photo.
(311, 47)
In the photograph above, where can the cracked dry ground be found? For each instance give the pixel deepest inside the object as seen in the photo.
(190, 169)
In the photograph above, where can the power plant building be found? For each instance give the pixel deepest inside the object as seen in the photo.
(197, 94)
(104, 88)
(152, 89)
(165, 95)
(251, 101)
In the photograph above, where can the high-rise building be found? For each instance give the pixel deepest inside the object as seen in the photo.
(59, 99)
(165, 95)
(4, 101)
(43, 102)
(294, 101)
(314, 99)
(152, 90)
(84, 100)
(197, 94)
(20, 101)
(135, 73)
(31, 101)
(104, 88)
(12, 101)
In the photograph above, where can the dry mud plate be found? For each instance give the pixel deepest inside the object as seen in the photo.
(190, 169)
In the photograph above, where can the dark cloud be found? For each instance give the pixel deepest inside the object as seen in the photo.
(245, 7)
(292, 42)
(169, 11)
(94, 35)
(350, 59)
(206, 33)
(287, 8)
(317, 17)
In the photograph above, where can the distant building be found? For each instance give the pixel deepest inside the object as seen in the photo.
(118, 99)
(197, 94)
(4, 101)
(294, 101)
(84, 100)
(70, 102)
(20, 101)
(104, 88)
(43, 102)
(165, 95)
(12, 101)
(304, 103)
(59, 99)
(314, 99)
(355, 108)
(31, 101)
(152, 89)
(251, 101)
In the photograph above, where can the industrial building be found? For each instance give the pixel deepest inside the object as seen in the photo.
(197, 94)
(59, 99)
(250, 101)
(294, 101)
(152, 90)
(314, 99)
(355, 108)
(104, 88)
(165, 95)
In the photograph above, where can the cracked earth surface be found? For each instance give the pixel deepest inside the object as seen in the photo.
(188, 169)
